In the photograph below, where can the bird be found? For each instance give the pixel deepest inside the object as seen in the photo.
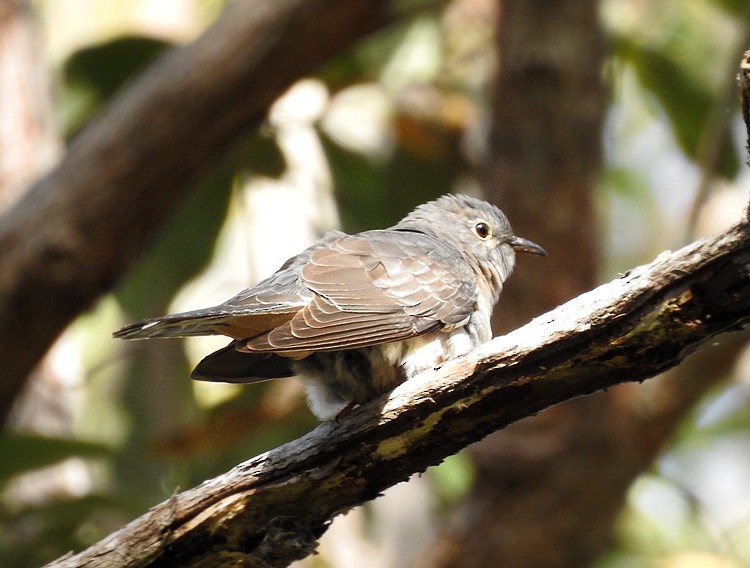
(354, 316)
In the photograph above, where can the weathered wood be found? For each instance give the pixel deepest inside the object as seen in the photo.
(271, 509)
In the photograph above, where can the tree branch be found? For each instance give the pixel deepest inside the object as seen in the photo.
(272, 509)
(78, 229)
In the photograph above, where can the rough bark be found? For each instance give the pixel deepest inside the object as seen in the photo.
(272, 509)
(545, 150)
(78, 229)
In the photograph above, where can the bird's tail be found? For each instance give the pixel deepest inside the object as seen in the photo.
(186, 324)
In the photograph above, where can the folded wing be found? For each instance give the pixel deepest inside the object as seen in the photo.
(344, 292)
(371, 288)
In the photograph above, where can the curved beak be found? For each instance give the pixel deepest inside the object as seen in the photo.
(523, 245)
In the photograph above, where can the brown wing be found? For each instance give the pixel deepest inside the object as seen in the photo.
(258, 309)
(375, 287)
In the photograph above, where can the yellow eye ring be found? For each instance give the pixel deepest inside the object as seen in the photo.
(483, 230)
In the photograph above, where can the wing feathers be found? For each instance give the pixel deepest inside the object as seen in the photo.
(343, 293)
(372, 288)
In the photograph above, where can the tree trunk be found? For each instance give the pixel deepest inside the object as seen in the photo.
(548, 488)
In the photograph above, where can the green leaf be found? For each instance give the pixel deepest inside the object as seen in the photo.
(736, 8)
(453, 477)
(26, 452)
(375, 193)
(688, 104)
(182, 248)
(92, 75)
(261, 154)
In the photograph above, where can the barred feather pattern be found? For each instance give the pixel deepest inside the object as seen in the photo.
(355, 315)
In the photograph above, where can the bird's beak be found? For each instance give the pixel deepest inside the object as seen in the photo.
(523, 245)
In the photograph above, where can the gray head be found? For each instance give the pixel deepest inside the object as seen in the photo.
(476, 228)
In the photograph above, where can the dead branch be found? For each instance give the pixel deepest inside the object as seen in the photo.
(272, 509)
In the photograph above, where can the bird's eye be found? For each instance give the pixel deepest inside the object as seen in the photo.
(483, 230)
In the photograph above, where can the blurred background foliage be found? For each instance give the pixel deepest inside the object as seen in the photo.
(393, 122)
